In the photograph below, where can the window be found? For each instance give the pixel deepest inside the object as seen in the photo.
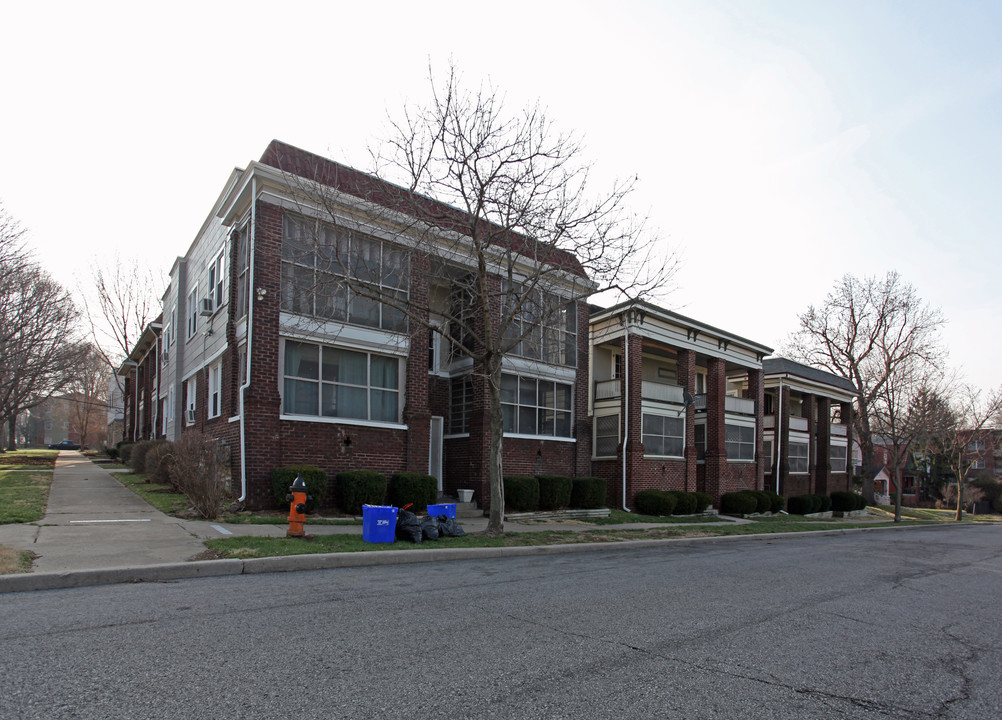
(606, 435)
(979, 464)
(243, 265)
(663, 435)
(242, 364)
(167, 338)
(192, 313)
(617, 366)
(216, 282)
(333, 382)
(739, 442)
(535, 407)
(838, 456)
(767, 454)
(700, 440)
(316, 258)
(460, 404)
(543, 326)
(798, 453)
(191, 391)
(214, 390)
(436, 352)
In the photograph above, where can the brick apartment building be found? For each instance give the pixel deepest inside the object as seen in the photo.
(250, 353)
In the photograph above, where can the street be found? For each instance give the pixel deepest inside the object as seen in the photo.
(883, 624)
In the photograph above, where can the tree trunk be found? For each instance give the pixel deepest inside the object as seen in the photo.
(11, 433)
(897, 497)
(960, 498)
(495, 522)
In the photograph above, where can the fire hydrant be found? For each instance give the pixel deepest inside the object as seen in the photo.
(297, 498)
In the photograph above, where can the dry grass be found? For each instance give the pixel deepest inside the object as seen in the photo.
(13, 560)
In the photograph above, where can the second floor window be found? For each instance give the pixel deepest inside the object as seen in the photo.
(798, 455)
(543, 326)
(216, 282)
(535, 407)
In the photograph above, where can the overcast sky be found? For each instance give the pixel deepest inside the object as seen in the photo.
(779, 143)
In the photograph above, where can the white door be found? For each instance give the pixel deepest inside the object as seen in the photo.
(435, 449)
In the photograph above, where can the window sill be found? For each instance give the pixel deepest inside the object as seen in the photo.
(343, 421)
(515, 436)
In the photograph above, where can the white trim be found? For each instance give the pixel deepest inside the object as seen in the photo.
(540, 437)
(343, 421)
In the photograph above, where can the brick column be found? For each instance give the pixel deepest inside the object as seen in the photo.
(783, 440)
(687, 379)
(823, 467)
(634, 448)
(808, 410)
(716, 455)
(416, 414)
(582, 413)
(756, 392)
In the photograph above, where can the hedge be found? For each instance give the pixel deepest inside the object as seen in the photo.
(521, 493)
(655, 502)
(843, 501)
(315, 479)
(738, 503)
(355, 488)
(418, 489)
(588, 493)
(685, 502)
(554, 492)
(703, 501)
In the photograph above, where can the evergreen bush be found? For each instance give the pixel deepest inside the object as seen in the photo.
(315, 479)
(737, 503)
(685, 502)
(800, 505)
(843, 501)
(655, 502)
(703, 501)
(554, 492)
(588, 493)
(418, 489)
(826, 503)
(521, 493)
(355, 488)
(776, 501)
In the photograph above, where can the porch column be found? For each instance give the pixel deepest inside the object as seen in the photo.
(783, 439)
(756, 392)
(823, 468)
(808, 411)
(416, 415)
(634, 447)
(716, 454)
(687, 379)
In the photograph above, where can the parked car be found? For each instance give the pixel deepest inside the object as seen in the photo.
(64, 445)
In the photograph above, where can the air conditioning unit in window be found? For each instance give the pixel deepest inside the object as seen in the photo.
(207, 308)
(189, 416)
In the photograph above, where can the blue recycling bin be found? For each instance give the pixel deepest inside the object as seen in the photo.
(379, 523)
(448, 509)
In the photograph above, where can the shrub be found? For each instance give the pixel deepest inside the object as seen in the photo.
(737, 503)
(825, 503)
(776, 501)
(800, 505)
(158, 459)
(703, 501)
(521, 493)
(685, 502)
(315, 479)
(124, 451)
(588, 493)
(554, 491)
(137, 460)
(843, 501)
(196, 469)
(355, 488)
(763, 502)
(655, 502)
(418, 489)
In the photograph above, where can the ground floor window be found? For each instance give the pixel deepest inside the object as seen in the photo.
(531, 406)
(460, 404)
(798, 457)
(838, 456)
(326, 381)
(739, 442)
(663, 435)
(606, 435)
(700, 440)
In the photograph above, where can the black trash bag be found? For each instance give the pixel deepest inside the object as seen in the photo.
(429, 527)
(449, 527)
(408, 526)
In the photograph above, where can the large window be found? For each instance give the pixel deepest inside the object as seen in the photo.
(739, 442)
(214, 405)
(242, 238)
(544, 326)
(798, 454)
(838, 456)
(460, 404)
(337, 383)
(317, 259)
(535, 407)
(663, 435)
(606, 435)
(216, 281)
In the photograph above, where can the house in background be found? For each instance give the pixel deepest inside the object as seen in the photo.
(808, 429)
(676, 404)
(140, 373)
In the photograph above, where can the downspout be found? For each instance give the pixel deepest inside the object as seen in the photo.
(626, 405)
(250, 333)
(779, 434)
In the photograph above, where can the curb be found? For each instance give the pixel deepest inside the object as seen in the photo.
(28, 582)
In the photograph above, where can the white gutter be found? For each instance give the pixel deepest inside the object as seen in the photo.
(250, 333)
(626, 405)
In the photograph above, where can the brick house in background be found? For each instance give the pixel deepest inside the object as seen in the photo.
(250, 353)
(808, 429)
(676, 404)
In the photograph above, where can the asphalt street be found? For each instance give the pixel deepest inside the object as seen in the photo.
(900, 624)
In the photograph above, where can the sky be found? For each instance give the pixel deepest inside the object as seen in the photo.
(779, 144)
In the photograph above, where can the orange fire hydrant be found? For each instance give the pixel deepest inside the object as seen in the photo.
(297, 498)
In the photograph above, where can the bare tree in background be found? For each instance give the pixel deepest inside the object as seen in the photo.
(89, 395)
(874, 332)
(498, 209)
(126, 296)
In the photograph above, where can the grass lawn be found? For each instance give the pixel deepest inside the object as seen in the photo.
(914, 513)
(618, 517)
(14, 561)
(162, 497)
(25, 477)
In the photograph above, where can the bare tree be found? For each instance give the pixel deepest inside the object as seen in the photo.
(872, 331)
(499, 211)
(88, 392)
(126, 299)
